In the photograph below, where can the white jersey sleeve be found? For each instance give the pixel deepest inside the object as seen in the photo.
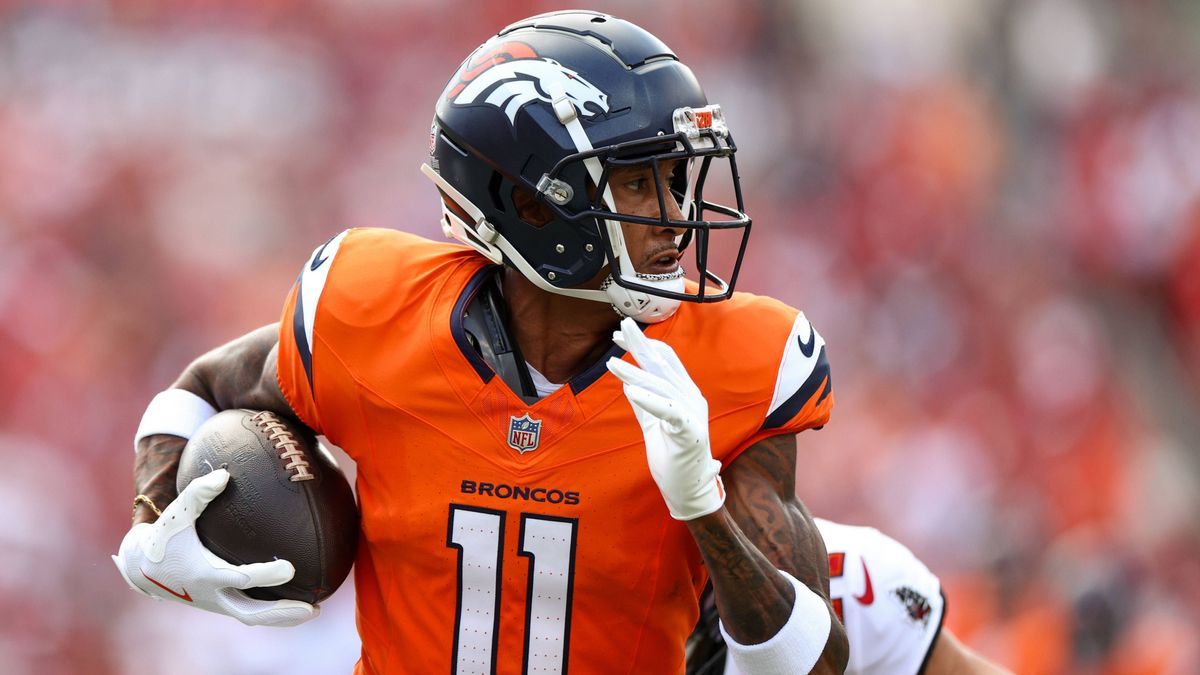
(890, 603)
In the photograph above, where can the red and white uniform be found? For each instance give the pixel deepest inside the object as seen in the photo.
(501, 537)
(890, 603)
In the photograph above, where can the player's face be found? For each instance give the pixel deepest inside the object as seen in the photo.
(653, 250)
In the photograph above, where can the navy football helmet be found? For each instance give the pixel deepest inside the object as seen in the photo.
(552, 105)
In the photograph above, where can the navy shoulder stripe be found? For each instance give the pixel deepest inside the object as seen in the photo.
(302, 346)
(308, 295)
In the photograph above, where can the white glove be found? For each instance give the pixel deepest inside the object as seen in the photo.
(165, 559)
(674, 419)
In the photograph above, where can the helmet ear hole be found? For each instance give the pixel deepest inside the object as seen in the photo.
(529, 209)
(494, 191)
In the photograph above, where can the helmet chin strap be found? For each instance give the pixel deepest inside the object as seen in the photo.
(643, 307)
(637, 305)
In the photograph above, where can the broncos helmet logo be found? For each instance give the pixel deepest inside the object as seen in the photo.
(511, 75)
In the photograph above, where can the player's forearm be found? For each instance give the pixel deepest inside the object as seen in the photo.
(157, 461)
(154, 471)
(753, 599)
(237, 374)
(773, 531)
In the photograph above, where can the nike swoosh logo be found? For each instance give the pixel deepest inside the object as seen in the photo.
(868, 595)
(317, 259)
(806, 348)
(182, 596)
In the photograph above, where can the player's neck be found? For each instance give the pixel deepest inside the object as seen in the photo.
(559, 336)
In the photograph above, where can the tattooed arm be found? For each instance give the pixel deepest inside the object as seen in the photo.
(764, 528)
(239, 374)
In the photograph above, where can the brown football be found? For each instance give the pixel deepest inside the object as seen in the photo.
(286, 499)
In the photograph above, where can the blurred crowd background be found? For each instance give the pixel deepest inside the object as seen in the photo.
(989, 208)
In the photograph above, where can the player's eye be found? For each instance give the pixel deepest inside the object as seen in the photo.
(637, 184)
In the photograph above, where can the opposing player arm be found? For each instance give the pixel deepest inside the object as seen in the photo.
(239, 374)
(762, 529)
(951, 657)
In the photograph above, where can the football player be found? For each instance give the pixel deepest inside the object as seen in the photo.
(889, 602)
(503, 400)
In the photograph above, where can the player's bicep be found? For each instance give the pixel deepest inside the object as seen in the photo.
(266, 394)
(761, 496)
(240, 374)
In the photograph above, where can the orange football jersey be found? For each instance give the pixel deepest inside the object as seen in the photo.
(500, 537)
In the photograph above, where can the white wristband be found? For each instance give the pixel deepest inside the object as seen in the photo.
(177, 412)
(797, 645)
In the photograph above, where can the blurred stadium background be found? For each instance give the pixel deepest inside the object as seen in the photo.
(990, 208)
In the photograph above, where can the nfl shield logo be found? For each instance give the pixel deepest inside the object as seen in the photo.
(523, 433)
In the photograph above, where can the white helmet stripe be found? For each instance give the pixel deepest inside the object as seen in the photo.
(635, 304)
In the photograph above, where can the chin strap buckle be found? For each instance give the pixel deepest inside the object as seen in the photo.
(557, 191)
(564, 110)
(485, 231)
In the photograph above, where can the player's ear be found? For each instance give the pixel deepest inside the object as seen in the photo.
(529, 209)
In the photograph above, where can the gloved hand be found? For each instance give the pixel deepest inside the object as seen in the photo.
(165, 559)
(674, 419)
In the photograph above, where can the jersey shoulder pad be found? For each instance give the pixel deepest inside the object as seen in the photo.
(755, 351)
(734, 346)
(365, 276)
(803, 375)
(309, 288)
(361, 279)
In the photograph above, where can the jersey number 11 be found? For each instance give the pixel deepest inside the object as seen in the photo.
(549, 543)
